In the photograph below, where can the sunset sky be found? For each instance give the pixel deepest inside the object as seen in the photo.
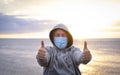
(35, 18)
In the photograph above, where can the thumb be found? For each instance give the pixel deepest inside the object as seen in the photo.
(85, 46)
(42, 44)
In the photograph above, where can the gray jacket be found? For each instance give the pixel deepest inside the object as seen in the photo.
(61, 62)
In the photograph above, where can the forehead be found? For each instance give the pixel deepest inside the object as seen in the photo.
(59, 31)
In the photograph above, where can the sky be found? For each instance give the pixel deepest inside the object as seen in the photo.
(35, 18)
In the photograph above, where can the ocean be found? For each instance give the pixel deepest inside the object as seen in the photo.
(18, 56)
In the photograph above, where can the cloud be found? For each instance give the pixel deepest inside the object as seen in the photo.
(116, 23)
(8, 1)
(113, 28)
(11, 25)
(9, 6)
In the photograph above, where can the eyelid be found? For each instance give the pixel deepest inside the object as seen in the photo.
(57, 35)
(60, 35)
(63, 35)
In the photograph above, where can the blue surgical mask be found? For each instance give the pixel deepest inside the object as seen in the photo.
(60, 42)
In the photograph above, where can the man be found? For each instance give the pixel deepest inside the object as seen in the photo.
(63, 58)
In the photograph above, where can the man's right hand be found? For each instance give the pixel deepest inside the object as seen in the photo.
(41, 52)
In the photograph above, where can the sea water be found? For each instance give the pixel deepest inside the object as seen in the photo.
(18, 56)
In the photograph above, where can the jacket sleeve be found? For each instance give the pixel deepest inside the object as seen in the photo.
(77, 56)
(45, 61)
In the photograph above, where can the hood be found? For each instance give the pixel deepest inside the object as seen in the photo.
(63, 27)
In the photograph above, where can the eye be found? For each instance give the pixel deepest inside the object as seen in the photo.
(63, 35)
(57, 35)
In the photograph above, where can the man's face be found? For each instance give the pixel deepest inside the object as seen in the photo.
(60, 33)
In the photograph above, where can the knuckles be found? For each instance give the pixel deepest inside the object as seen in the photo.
(41, 53)
(86, 52)
(87, 55)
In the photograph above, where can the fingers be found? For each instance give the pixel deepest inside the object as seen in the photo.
(86, 53)
(41, 54)
(87, 56)
(42, 44)
(85, 45)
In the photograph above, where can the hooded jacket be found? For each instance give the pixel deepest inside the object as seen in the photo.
(61, 62)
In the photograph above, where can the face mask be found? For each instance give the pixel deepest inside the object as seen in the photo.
(60, 42)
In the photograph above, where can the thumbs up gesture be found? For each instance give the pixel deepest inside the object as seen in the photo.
(41, 52)
(86, 54)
